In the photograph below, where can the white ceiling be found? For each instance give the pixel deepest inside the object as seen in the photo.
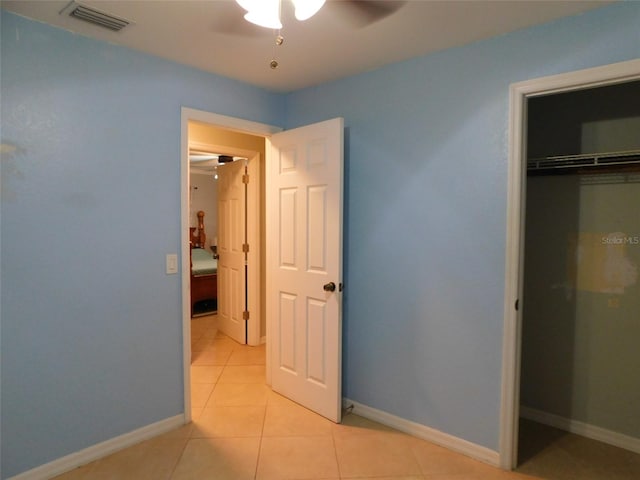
(211, 35)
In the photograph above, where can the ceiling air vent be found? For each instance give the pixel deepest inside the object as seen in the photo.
(91, 15)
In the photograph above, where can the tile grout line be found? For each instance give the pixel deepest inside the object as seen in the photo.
(177, 462)
(264, 418)
(237, 348)
(189, 438)
(264, 421)
(335, 450)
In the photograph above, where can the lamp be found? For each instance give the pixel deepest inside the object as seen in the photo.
(266, 13)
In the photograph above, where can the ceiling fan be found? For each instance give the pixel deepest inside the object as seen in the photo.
(356, 13)
(267, 15)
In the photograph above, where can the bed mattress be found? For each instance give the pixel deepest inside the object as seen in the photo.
(202, 262)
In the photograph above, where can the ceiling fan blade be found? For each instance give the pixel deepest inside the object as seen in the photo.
(229, 20)
(362, 13)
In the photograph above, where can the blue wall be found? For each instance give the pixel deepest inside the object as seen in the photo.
(91, 325)
(91, 344)
(426, 194)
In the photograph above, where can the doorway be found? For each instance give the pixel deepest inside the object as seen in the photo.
(581, 301)
(520, 94)
(303, 209)
(228, 132)
(231, 204)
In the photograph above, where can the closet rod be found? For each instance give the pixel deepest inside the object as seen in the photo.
(591, 160)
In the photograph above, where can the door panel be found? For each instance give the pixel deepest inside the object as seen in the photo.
(305, 232)
(231, 261)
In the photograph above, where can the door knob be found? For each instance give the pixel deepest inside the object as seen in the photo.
(329, 287)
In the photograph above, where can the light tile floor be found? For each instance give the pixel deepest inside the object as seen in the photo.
(243, 430)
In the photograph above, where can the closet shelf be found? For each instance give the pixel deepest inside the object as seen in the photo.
(590, 160)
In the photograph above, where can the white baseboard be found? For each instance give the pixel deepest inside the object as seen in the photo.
(459, 445)
(82, 457)
(580, 428)
(263, 340)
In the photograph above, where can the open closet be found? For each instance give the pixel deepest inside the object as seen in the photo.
(580, 363)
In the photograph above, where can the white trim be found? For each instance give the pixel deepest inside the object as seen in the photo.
(451, 442)
(270, 259)
(100, 450)
(254, 257)
(510, 393)
(228, 123)
(185, 261)
(512, 328)
(581, 428)
(588, 78)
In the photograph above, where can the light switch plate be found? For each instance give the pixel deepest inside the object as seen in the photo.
(172, 263)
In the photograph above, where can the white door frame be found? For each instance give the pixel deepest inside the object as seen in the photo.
(516, 195)
(231, 124)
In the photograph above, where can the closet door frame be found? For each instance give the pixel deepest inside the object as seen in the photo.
(519, 93)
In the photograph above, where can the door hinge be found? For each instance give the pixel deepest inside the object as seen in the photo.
(245, 248)
(245, 315)
(245, 179)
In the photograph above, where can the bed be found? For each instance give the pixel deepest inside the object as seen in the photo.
(204, 271)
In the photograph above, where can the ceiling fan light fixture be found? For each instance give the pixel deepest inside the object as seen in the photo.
(264, 13)
(306, 9)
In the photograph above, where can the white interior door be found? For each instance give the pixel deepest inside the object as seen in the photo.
(231, 260)
(304, 248)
